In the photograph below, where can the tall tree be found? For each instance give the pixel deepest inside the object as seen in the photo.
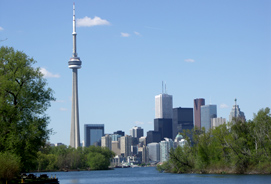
(24, 98)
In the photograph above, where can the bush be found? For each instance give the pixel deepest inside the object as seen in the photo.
(10, 165)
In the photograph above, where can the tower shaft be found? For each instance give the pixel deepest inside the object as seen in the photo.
(75, 129)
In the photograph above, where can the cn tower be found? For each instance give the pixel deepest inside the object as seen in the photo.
(74, 64)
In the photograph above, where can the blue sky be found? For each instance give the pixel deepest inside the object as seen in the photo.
(212, 49)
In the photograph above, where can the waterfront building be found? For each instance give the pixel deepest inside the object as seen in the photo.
(93, 134)
(165, 147)
(106, 141)
(153, 136)
(154, 152)
(197, 111)
(207, 113)
(164, 126)
(182, 120)
(125, 145)
(215, 122)
(116, 147)
(144, 154)
(136, 132)
(236, 114)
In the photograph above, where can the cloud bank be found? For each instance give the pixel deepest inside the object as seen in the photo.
(88, 22)
(48, 74)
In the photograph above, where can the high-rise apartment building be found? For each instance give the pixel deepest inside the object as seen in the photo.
(215, 122)
(143, 152)
(163, 106)
(116, 147)
(125, 145)
(236, 113)
(197, 111)
(93, 134)
(182, 120)
(165, 147)
(136, 132)
(154, 152)
(207, 113)
(106, 141)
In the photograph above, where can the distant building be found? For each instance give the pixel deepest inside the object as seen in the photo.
(106, 141)
(59, 144)
(165, 147)
(207, 113)
(197, 111)
(115, 137)
(163, 106)
(120, 133)
(236, 113)
(154, 152)
(116, 147)
(182, 120)
(164, 126)
(144, 153)
(136, 132)
(153, 136)
(93, 134)
(143, 141)
(125, 145)
(215, 122)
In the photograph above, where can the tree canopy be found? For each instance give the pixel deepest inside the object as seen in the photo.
(24, 98)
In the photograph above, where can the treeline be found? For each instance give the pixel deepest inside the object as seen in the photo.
(240, 147)
(67, 158)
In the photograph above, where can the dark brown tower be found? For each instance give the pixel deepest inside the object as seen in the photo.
(197, 104)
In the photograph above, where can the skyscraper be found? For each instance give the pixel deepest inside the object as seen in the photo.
(163, 106)
(236, 113)
(164, 126)
(106, 141)
(197, 113)
(136, 132)
(207, 113)
(93, 134)
(74, 64)
(165, 147)
(125, 145)
(182, 119)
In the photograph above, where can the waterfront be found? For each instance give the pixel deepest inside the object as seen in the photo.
(147, 175)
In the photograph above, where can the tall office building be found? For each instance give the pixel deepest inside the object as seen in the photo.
(154, 152)
(236, 113)
(164, 126)
(74, 64)
(120, 133)
(116, 147)
(144, 154)
(106, 141)
(182, 120)
(115, 137)
(207, 113)
(197, 111)
(163, 106)
(165, 147)
(93, 134)
(136, 132)
(125, 145)
(153, 136)
(215, 122)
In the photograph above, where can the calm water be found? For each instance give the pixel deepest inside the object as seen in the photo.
(148, 175)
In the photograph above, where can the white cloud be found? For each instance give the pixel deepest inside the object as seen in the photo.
(88, 22)
(223, 106)
(1, 29)
(125, 34)
(48, 74)
(189, 60)
(137, 33)
(139, 123)
(63, 109)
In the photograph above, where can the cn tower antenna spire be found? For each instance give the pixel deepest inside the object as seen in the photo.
(74, 32)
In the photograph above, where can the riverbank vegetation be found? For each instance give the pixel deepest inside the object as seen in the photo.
(241, 147)
(66, 158)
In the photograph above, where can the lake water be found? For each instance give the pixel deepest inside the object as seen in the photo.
(149, 175)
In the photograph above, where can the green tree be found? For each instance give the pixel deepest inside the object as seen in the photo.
(9, 166)
(24, 98)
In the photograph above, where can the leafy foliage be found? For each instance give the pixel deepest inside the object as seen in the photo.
(9, 165)
(241, 147)
(24, 99)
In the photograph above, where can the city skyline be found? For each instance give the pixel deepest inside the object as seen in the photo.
(218, 51)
